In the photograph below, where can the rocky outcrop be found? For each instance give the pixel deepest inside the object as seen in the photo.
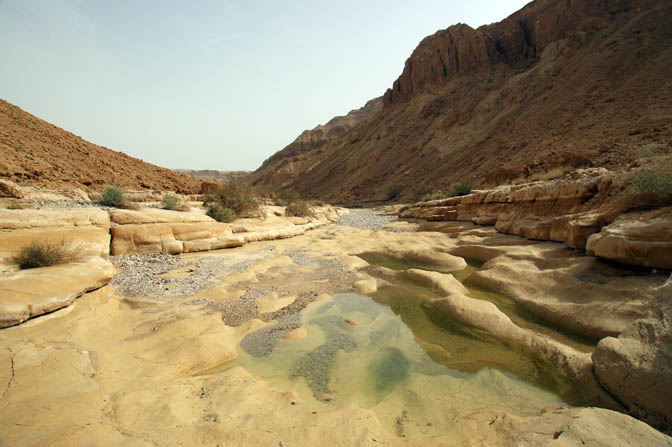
(34, 292)
(639, 238)
(555, 85)
(578, 210)
(636, 367)
(161, 231)
(86, 229)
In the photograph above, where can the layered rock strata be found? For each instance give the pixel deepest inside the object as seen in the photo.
(578, 211)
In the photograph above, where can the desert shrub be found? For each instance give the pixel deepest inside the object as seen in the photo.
(650, 188)
(432, 196)
(169, 201)
(235, 195)
(404, 208)
(112, 196)
(318, 203)
(14, 206)
(45, 253)
(299, 208)
(462, 188)
(286, 197)
(220, 213)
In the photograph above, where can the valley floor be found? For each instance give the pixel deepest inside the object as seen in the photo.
(155, 358)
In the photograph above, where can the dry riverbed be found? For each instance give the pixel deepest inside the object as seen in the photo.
(173, 351)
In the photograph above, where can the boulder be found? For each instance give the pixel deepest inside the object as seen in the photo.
(636, 367)
(366, 286)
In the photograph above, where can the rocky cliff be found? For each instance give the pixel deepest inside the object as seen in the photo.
(35, 152)
(558, 84)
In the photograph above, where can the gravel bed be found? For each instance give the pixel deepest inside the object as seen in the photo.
(368, 220)
(137, 273)
(68, 204)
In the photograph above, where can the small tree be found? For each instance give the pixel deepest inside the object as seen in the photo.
(235, 195)
(112, 196)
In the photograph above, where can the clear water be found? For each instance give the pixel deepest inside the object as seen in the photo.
(419, 376)
(515, 311)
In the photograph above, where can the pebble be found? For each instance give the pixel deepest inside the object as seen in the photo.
(368, 219)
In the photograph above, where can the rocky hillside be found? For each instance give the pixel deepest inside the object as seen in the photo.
(35, 152)
(210, 174)
(285, 166)
(555, 85)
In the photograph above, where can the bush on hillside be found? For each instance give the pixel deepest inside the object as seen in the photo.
(462, 188)
(220, 213)
(237, 196)
(650, 188)
(44, 254)
(112, 196)
(286, 197)
(299, 208)
(169, 201)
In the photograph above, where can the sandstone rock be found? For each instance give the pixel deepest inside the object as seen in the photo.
(366, 286)
(596, 427)
(86, 229)
(30, 293)
(636, 367)
(439, 282)
(10, 189)
(639, 238)
(573, 365)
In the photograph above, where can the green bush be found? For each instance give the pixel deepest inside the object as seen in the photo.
(462, 188)
(169, 201)
(650, 188)
(112, 196)
(393, 193)
(220, 213)
(43, 254)
(318, 203)
(299, 209)
(236, 195)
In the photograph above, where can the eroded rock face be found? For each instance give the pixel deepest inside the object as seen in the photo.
(636, 367)
(640, 238)
(161, 231)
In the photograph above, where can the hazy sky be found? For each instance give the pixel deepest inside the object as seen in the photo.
(206, 84)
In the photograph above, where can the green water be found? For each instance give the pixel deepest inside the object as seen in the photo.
(420, 376)
(515, 311)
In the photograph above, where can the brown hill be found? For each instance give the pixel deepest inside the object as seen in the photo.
(211, 174)
(35, 152)
(557, 84)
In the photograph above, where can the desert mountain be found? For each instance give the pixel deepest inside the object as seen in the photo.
(35, 152)
(211, 174)
(556, 84)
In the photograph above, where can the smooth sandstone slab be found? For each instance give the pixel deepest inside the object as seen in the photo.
(30, 293)
(641, 238)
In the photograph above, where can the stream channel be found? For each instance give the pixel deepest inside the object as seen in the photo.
(392, 353)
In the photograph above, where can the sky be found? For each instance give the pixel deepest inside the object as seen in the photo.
(211, 84)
